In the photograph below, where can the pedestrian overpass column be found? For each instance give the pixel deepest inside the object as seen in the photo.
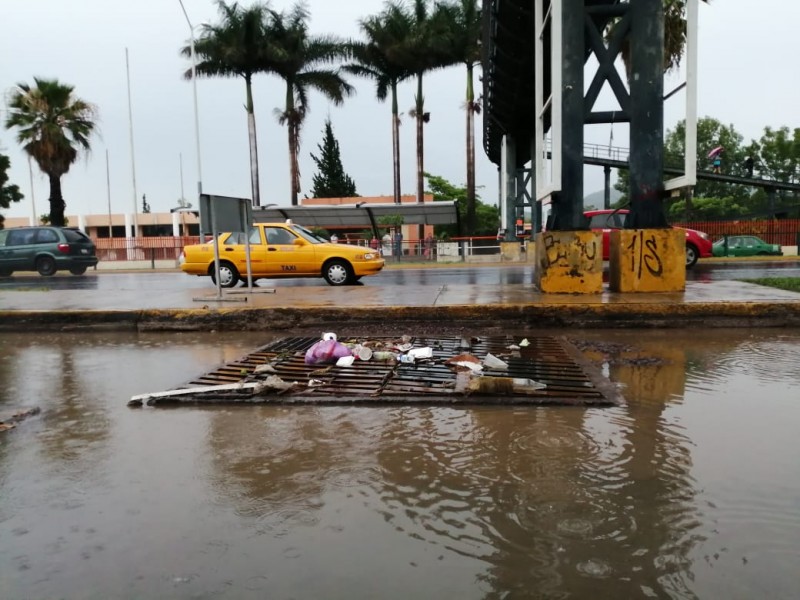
(508, 188)
(568, 255)
(648, 255)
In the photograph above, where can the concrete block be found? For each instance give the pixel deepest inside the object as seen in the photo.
(647, 260)
(511, 252)
(569, 262)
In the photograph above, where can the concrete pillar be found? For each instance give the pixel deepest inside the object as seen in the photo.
(508, 177)
(176, 225)
(82, 223)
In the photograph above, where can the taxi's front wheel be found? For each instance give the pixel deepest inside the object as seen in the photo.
(338, 272)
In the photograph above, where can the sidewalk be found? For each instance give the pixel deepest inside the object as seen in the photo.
(703, 304)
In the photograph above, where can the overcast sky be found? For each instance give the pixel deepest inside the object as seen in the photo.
(749, 77)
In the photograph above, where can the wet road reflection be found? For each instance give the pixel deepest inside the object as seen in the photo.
(688, 490)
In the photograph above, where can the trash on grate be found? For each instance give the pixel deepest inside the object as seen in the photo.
(503, 385)
(466, 361)
(421, 353)
(327, 350)
(544, 370)
(494, 363)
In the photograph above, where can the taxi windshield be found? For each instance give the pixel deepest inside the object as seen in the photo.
(306, 234)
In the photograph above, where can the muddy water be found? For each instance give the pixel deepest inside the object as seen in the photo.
(689, 490)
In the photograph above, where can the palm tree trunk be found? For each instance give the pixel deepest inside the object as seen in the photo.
(292, 127)
(56, 202)
(420, 110)
(396, 143)
(470, 152)
(294, 175)
(251, 131)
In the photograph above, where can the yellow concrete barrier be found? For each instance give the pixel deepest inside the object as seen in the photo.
(647, 260)
(569, 262)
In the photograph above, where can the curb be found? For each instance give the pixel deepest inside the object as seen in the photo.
(532, 316)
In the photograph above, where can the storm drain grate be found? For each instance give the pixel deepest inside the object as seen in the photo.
(548, 360)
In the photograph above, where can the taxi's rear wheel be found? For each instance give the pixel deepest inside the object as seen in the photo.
(228, 275)
(338, 272)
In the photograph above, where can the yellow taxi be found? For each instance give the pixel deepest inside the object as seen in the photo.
(280, 250)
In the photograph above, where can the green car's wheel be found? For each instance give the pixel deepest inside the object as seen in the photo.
(46, 265)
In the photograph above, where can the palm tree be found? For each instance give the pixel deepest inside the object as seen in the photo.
(236, 47)
(425, 50)
(379, 58)
(53, 125)
(464, 41)
(298, 60)
(674, 36)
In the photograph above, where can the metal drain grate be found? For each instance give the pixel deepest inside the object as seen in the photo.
(553, 361)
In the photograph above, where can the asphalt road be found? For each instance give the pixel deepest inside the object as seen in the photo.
(483, 275)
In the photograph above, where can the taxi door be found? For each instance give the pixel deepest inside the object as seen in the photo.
(234, 250)
(284, 257)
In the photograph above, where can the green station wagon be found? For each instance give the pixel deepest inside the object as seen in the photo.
(745, 245)
(46, 250)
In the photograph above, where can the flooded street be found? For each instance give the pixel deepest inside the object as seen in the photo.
(691, 489)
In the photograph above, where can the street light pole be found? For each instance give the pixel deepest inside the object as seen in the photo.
(194, 92)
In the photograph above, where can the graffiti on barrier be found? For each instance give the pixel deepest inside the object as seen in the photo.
(644, 252)
(558, 253)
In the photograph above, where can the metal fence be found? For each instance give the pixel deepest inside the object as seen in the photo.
(783, 232)
(142, 248)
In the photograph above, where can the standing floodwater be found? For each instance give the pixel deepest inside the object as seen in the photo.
(688, 490)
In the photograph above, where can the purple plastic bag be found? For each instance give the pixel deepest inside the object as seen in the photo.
(326, 351)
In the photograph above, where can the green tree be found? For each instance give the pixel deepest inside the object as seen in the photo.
(331, 181)
(778, 154)
(237, 46)
(487, 216)
(299, 60)
(8, 192)
(379, 58)
(463, 37)
(710, 134)
(708, 209)
(53, 126)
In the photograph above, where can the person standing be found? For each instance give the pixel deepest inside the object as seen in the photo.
(334, 239)
(749, 163)
(386, 244)
(717, 162)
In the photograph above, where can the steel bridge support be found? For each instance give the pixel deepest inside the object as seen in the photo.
(569, 32)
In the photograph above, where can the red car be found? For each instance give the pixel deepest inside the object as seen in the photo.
(698, 244)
